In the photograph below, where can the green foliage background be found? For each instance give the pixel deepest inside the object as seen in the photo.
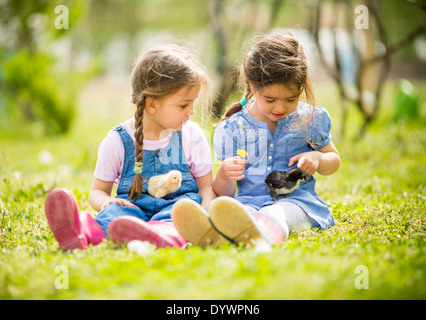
(377, 196)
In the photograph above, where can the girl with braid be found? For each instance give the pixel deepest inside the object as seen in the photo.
(160, 138)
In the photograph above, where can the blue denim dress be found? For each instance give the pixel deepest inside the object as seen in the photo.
(304, 130)
(171, 157)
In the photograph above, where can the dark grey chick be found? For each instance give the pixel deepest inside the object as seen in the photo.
(284, 182)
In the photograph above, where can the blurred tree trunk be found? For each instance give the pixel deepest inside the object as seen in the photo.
(223, 66)
(372, 68)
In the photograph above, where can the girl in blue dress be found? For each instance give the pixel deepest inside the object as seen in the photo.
(275, 131)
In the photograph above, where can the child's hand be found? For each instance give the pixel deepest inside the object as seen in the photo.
(232, 169)
(307, 161)
(118, 201)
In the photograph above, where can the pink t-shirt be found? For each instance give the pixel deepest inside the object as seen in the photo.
(195, 145)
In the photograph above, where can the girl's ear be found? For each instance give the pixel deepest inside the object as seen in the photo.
(151, 105)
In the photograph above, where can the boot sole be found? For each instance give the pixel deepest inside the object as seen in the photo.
(232, 220)
(192, 222)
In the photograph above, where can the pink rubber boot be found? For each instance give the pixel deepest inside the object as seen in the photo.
(270, 228)
(91, 229)
(162, 234)
(71, 230)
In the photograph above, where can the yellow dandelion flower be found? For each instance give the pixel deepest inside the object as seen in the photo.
(242, 153)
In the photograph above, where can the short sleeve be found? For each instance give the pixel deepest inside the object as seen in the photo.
(225, 141)
(110, 158)
(320, 134)
(197, 149)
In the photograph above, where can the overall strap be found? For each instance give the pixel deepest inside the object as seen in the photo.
(129, 149)
(173, 153)
(182, 157)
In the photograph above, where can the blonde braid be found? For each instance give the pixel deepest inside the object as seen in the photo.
(137, 187)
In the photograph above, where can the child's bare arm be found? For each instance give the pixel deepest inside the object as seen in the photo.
(205, 189)
(230, 171)
(325, 160)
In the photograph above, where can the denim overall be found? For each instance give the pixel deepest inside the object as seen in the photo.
(148, 208)
(293, 135)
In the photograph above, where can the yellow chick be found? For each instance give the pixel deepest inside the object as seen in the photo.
(164, 184)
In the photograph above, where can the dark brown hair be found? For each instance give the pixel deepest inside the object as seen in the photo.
(274, 59)
(158, 73)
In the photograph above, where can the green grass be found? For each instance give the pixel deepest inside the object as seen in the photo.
(377, 197)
